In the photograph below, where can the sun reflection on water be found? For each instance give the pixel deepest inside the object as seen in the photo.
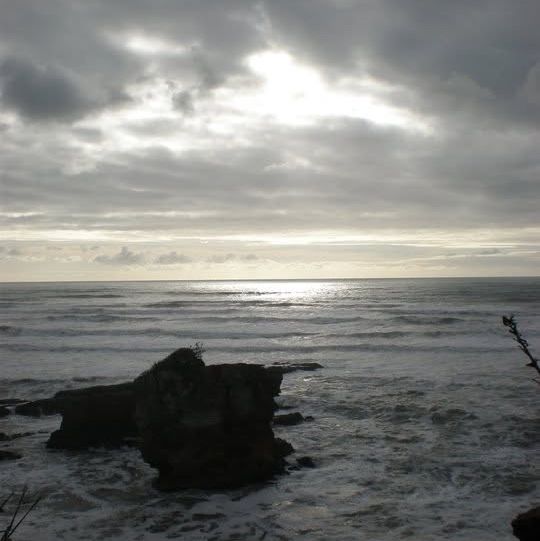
(279, 290)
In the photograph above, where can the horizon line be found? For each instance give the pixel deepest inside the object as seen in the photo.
(10, 282)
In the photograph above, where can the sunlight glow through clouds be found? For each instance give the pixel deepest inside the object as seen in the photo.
(147, 45)
(287, 92)
(296, 94)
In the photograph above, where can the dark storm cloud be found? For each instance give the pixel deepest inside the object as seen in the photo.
(41, 93)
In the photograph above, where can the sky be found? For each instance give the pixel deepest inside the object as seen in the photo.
(238, 139)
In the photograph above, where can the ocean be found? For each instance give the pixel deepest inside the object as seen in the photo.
(426, 421)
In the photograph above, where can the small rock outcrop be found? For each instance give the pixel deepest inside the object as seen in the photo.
(287, 368)
(208, 426)
(305, 462)
(95, 416)
(37, 408)
(526, 526)
(289, 419)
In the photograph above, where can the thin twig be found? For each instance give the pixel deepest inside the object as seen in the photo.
(36, 501)
(5, 502)
(510, 322)
(7, 533)
(14, 523)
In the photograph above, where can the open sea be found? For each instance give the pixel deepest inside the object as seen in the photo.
(426, 420)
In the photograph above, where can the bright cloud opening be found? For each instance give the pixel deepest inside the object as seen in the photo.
(296, 94)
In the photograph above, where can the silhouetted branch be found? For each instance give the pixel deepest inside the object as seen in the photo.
(510, 322)
(18, 516)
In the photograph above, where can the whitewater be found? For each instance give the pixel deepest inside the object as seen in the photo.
(426, 422)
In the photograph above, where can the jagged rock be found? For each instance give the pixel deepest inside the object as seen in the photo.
(286, 368)
(526, 526)
(9, 455)
(284, 448)
(95, 416)
(4, 411)
(289, 419)
(208, 426)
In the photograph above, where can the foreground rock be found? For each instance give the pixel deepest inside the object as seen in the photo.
(526, 526)
(199, 426)
(208, 426)
(95, 416)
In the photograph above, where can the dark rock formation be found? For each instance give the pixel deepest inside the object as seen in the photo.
(526, 526)
(95, 416)
(289, 419)
(208, 426)
(200, 426)
(9, 455)
(4, 411)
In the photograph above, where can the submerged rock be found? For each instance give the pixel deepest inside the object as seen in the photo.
(95, 416)
(4, 411)
(9, 455)
(208, 426)
(11, 401)
(286, 368)
(9, 437)
(526, 526)
(289, 419)
(305, 462)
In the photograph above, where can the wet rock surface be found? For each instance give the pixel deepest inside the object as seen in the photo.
(208, 426)
(526, 526)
